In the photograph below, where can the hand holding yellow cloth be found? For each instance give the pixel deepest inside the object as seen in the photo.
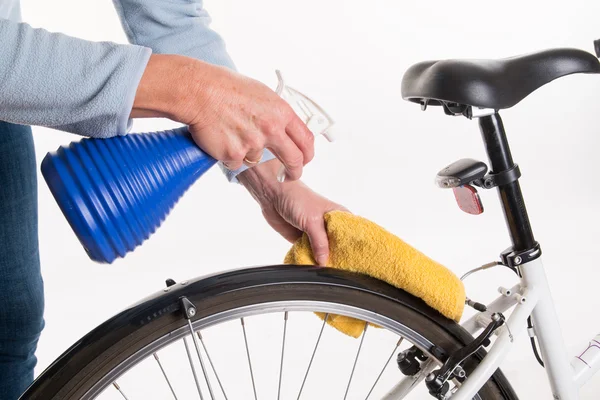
(359, 245)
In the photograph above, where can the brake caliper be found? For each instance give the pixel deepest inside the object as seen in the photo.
(437, 381)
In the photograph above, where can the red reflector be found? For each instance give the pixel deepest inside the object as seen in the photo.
(468, 199)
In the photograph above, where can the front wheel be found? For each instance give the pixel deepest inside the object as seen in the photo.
(254, 335)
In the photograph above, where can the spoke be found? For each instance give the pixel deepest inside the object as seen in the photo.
(187, 350)
(204, 372)
(116, 386)
(384, 367)
(313, 355)
(285, 318)
(362, 339)
(165, 375)
(249, 362)
(211, 363)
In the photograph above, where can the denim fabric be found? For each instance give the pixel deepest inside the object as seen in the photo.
(21, 286)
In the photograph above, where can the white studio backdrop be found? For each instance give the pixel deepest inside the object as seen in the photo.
(350, 56)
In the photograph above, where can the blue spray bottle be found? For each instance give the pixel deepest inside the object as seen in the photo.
(116, 192)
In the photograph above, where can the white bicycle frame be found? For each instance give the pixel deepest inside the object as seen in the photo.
(532, 297)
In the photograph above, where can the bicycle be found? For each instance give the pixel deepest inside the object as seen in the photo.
(439, 355)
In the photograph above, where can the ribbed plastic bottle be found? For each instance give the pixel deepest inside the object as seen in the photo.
(116, 192)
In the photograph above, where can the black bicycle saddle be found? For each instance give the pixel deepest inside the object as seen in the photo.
(495, 84)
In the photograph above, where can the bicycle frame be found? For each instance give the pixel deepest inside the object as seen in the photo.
(531, 297)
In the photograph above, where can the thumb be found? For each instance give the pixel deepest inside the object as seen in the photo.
(319, 242)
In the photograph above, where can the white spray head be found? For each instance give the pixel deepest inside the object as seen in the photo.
(315, 118)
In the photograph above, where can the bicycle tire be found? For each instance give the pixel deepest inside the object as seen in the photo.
(88, 361)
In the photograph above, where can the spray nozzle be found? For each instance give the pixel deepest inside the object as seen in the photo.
(315, 118)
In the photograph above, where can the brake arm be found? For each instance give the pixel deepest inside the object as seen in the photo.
(437, 381)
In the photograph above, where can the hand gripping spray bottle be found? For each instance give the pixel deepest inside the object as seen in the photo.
(116, 192)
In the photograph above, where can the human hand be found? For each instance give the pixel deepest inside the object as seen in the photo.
(231, 117)
(290, 207)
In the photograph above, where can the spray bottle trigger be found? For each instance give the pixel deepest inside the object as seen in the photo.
(330, 134)
(315, 118)
(317, 124)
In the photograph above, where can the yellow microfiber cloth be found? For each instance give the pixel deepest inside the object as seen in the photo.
(359, 245)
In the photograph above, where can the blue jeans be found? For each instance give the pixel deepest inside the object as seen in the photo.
(21, 285)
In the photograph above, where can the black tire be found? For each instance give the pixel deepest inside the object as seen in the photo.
(84, 364)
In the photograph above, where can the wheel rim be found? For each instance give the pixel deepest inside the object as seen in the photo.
(253, 310)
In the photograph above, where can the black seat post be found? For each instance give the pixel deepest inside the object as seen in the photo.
(498, 151)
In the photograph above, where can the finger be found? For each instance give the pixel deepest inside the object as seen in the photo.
(302, 137)
(253, 157)
(319, 242)
(341, 208)
(290, 156)
(233, 156)
(289, 232)
(232, 165)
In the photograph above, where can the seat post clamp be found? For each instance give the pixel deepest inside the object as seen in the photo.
(476, 112)
(501, 178)
(514, 259)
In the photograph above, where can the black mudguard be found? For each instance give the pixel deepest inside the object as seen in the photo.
(167, 302)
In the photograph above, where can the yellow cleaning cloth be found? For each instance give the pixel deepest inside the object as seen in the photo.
(359, 245)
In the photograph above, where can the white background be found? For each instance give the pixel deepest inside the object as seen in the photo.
(350, 57)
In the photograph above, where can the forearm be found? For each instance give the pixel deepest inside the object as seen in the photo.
(66, 83)
(167, 83)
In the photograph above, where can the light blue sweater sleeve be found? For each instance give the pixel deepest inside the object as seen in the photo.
(88, 88)
(176, 27)
(65, 83)
(173, 27)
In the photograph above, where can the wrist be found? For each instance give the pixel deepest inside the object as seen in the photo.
(164, 88)
(261, 181)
